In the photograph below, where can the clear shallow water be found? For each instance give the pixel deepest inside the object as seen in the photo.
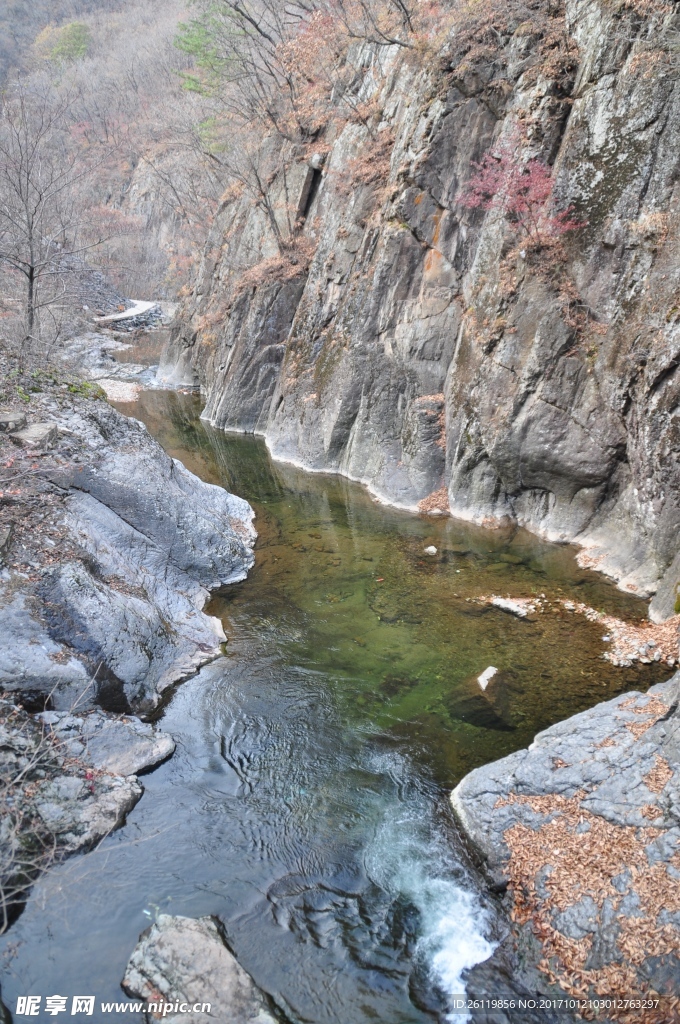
(307, 802)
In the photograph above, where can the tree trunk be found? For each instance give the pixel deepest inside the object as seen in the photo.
(30, 309)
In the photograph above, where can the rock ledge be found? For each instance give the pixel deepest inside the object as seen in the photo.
(582, 830)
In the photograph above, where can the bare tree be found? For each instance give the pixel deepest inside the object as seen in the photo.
(41, 225)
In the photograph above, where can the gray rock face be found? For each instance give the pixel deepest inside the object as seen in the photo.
(121, 617)
(412, 355)
(179, 959)
(121, 746)
(584, 830)
(666, 601)
(30, 660)
(68, 781)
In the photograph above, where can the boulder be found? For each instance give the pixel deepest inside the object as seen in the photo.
(37, 435)
(122, 746)
(186, 960)
(12, 419)
(583, 831)
(117, 609)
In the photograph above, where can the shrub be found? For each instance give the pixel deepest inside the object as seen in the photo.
(524, 191)
(65, 44)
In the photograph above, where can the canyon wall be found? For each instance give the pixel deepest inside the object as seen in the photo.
(417, 345)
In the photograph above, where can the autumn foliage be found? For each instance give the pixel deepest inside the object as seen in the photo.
(521, 190)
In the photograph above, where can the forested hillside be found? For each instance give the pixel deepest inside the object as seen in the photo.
(107, 186)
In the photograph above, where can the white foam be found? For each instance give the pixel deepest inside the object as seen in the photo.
(411, 855)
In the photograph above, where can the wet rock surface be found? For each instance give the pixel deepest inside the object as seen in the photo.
(583, 831)
(66, 781)
(181, 959)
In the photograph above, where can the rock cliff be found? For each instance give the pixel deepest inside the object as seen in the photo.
(416, 345)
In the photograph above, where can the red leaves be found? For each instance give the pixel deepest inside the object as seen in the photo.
(524, 191)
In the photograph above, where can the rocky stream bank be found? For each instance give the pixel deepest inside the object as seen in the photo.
(110, 549)
(581, 833)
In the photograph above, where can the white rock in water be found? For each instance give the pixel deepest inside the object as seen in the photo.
(518, 606)
(185, 960)
(486, 676)
(431, 550)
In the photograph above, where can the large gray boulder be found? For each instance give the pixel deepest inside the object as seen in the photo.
(184, 960)
(583, 831)
(116, 614)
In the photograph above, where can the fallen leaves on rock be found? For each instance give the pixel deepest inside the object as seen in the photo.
(645, 642)
(656, 780)
(576, 854)
(436, 503)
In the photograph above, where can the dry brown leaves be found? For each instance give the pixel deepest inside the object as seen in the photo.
(662, 773)
(583, 853)
(436, 503)
(372, 167)
(292, 262)
(635, 642)
(653, 706)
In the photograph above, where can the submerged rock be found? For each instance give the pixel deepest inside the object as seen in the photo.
(583, 830)
(186, 961)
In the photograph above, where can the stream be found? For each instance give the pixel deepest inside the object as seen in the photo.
(307, 802)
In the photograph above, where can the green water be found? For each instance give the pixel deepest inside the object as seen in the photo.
(345, 585)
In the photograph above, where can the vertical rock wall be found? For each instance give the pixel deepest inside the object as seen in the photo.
(421, 348)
